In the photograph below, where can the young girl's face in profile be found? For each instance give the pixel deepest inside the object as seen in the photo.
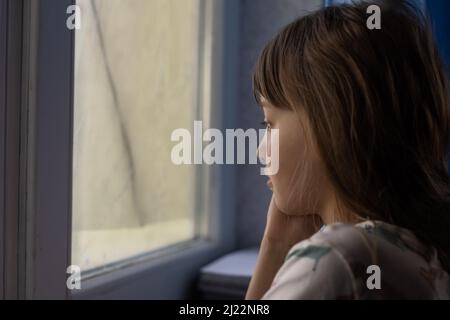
(299, 186)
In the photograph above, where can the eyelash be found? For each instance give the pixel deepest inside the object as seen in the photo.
(265, 124)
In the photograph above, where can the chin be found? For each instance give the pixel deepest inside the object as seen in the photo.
(288, 209)
(280, 204)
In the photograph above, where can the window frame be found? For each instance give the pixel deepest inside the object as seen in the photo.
(10, 135)
(45, 231)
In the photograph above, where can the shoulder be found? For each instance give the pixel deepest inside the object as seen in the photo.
(332, 264)
(318, 267)
(344, 261)
(345, 243)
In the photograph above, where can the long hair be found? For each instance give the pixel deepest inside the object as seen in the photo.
(377, 102)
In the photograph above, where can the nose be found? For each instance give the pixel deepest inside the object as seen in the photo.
(262, 149)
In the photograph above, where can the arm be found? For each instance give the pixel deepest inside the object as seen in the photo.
(281, 233)
(270, 259)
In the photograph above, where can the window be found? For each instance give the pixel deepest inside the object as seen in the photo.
(94, 103)
(136, 79)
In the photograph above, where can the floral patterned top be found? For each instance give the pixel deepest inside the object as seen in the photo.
(369, 260)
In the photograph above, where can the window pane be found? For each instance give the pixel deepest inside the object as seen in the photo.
(136, 80)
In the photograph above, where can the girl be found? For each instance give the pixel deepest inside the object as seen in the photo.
(363, 120)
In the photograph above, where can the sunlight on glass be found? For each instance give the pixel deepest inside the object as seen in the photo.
(136, 80)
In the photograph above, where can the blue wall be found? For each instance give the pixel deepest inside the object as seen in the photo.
(439, 11)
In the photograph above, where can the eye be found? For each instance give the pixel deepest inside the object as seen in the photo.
(265, 124)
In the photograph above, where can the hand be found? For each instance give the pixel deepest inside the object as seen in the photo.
(281, 233)
(287, 230)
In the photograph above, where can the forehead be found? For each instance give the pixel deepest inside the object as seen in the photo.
(264, 103)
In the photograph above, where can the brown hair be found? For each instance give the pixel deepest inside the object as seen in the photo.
(378, 106)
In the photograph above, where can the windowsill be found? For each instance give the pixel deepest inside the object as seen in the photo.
(229, 276)
(148, 270)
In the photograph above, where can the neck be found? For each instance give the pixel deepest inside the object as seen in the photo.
(334, 211)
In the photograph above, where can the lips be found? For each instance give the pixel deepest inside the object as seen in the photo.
(269, 184)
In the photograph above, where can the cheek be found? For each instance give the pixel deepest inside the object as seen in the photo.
(299, 184)
(292, 153)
